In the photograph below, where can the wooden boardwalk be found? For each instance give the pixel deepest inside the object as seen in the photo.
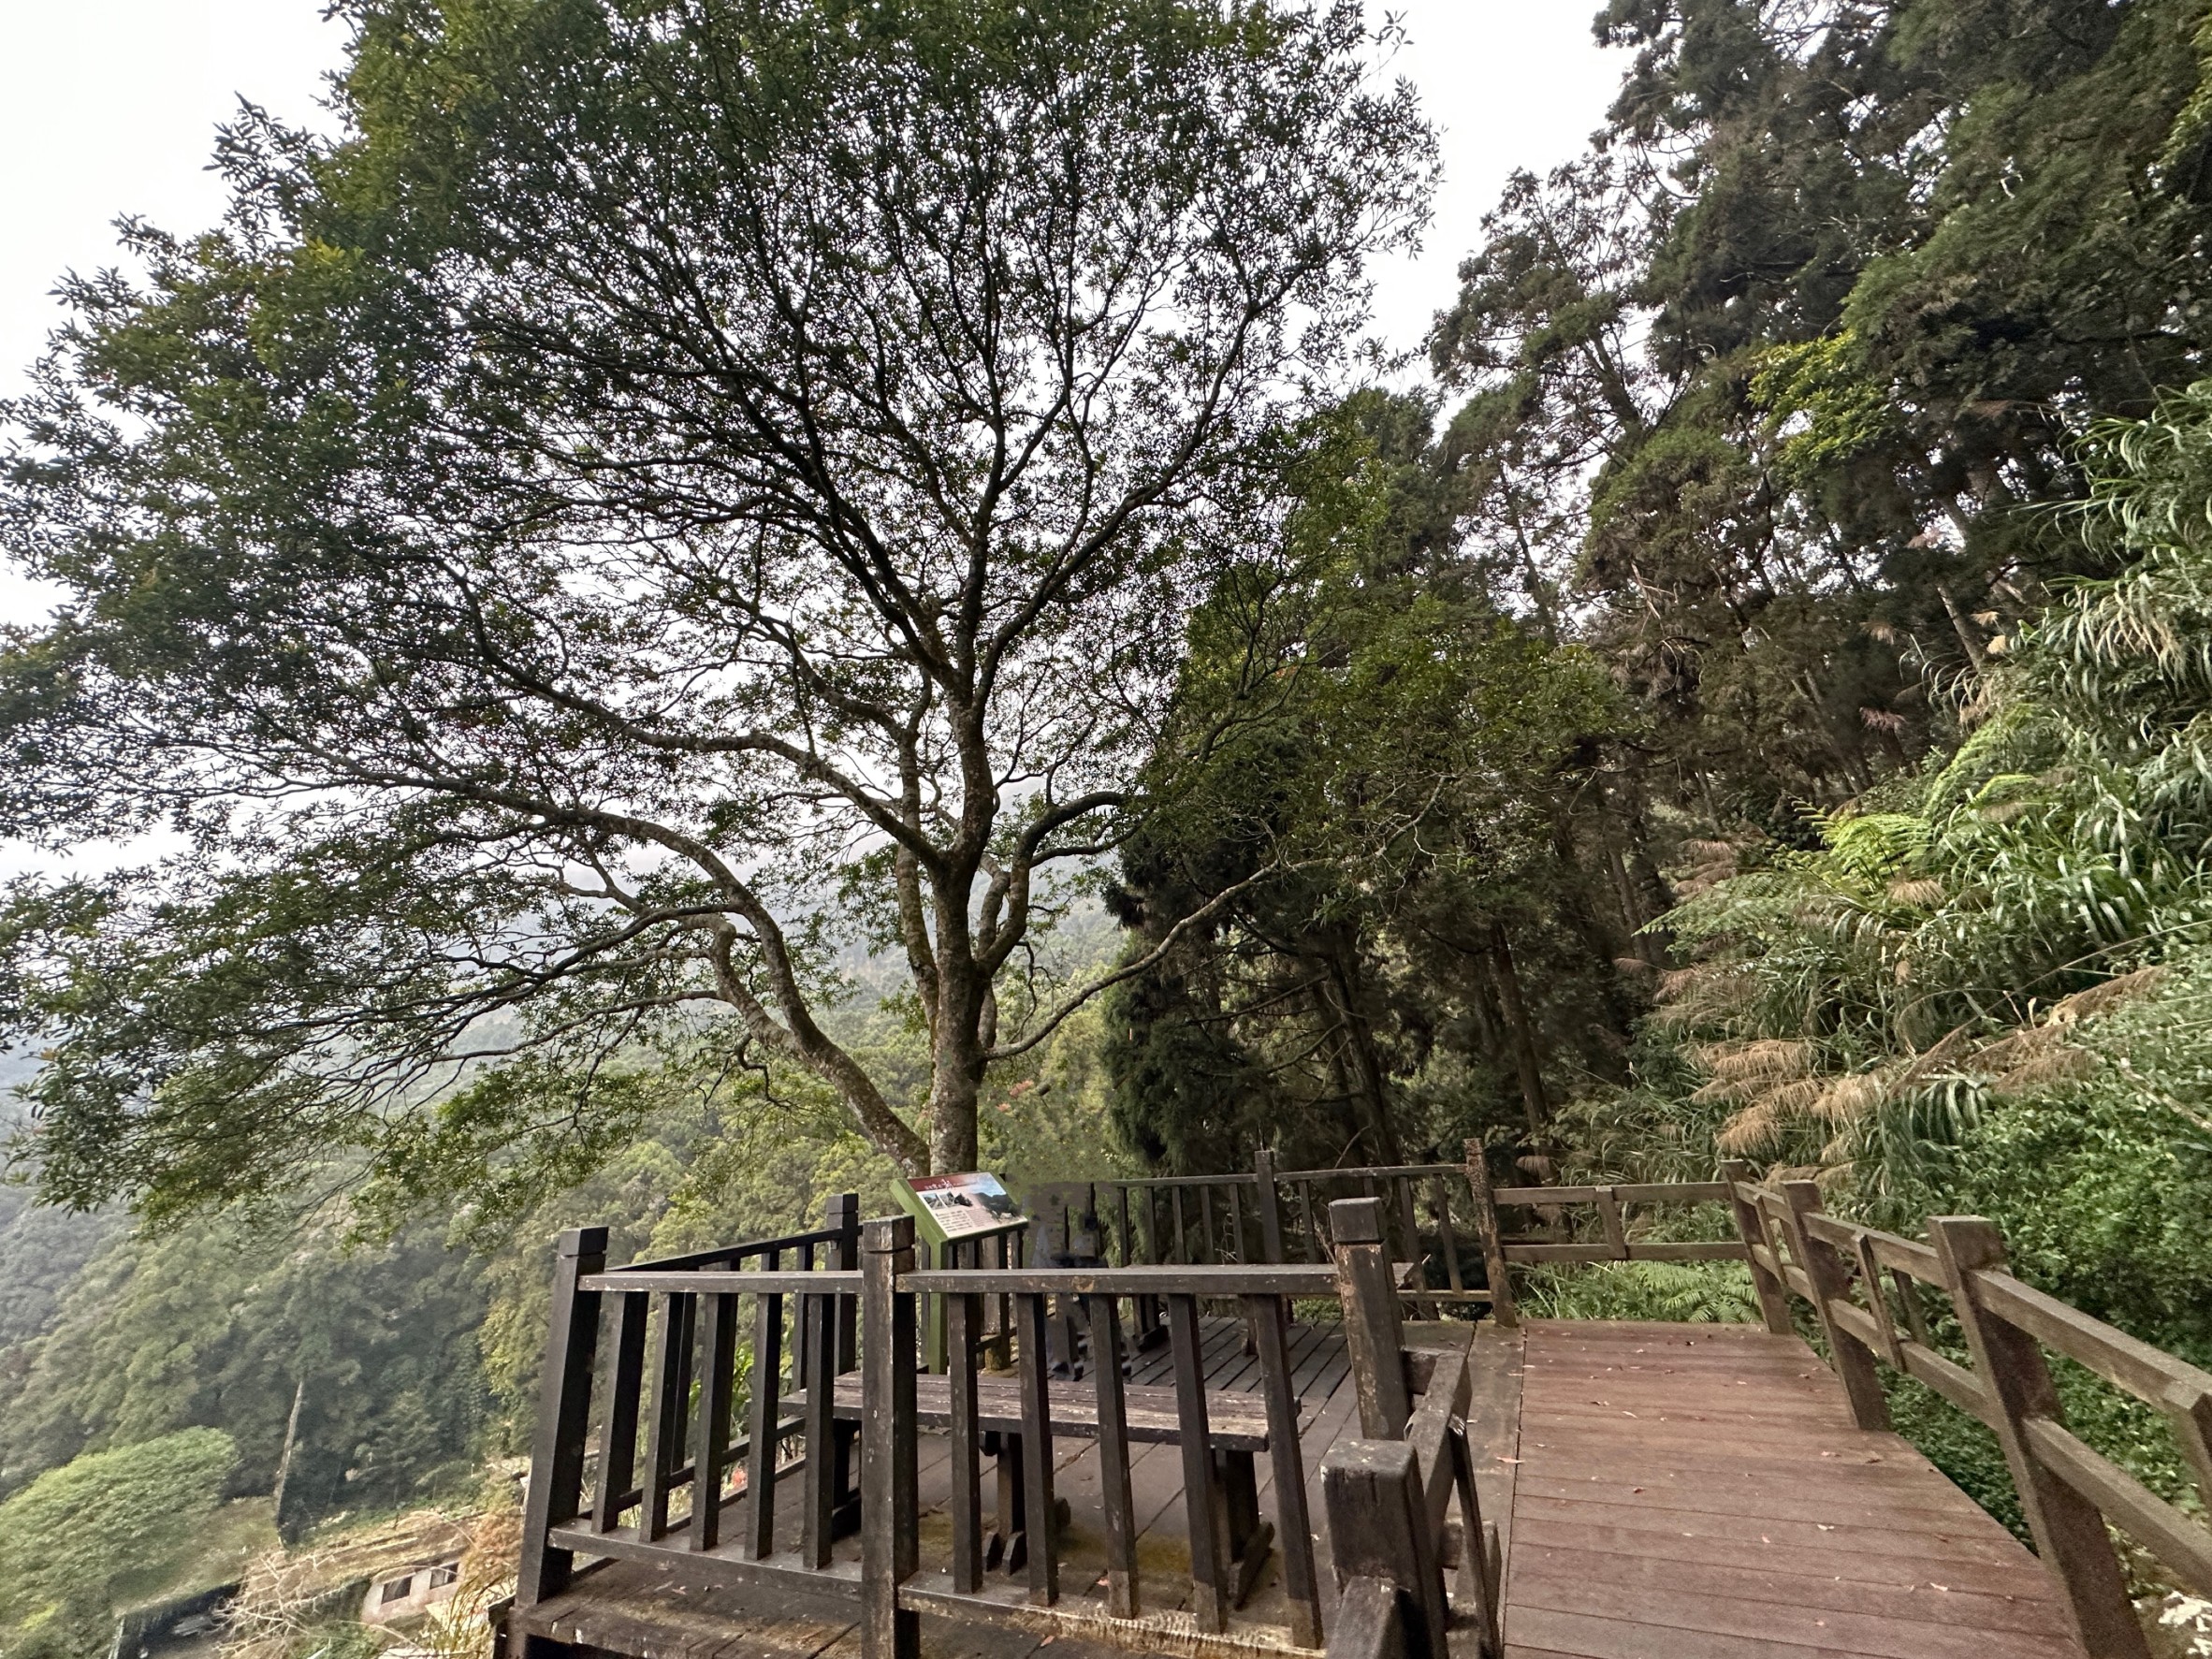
(1700, 1492)
(1664, 1492)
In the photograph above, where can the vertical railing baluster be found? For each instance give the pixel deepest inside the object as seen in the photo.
(1205, 1505)
(819, 1344)
(1209, 1251)
(1009, 1252)
(1041, 1537)
(802, 1330)
(1446, 1241)
(1178, 1247)
(711, 1435)
(1113, 1459)
(768, 1412)
(1409, 1228)
(669, 1411)
(1300, 1583)
(1305, 1212)
(618, 1434)
(965, 1317)
(844, 1218)
(1268, 1196)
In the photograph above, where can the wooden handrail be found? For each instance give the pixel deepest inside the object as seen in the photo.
(716, 1281)
(1122, 1281)
(2151, 1374)
(797, 1240)
(2069, 1492)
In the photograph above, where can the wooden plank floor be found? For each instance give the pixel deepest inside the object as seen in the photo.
(1699, 1492)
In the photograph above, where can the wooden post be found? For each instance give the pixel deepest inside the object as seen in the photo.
(1271, 1205)
(1114, 1457)
(1372, 1327)
(1493, 1237)
(890, 1543)
(1266, 1317)
(1853, 1359)
(1205, 1506)
(844, 1217)
(564, 1415)
(2069, 1529)
(1774, 1305)
(1378, 1531)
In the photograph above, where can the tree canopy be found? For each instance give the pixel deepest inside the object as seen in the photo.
(671, 488)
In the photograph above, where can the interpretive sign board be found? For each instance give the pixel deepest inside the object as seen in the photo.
(950, 1210)
(962, 1206)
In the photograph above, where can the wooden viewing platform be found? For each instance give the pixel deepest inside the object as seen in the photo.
(1507, 1490)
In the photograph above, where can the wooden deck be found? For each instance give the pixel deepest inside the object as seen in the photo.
(1701, 1491)
(1664, 1492)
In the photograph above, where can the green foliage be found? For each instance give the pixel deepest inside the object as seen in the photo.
(1395, 774)
(216, 1325)
(70, 1538)
(553, 648)
(1688, 1292)
(1988, 990)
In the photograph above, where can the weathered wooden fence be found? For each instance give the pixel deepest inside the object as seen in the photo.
(652, 1351)
(656, 1351)
(1868, 1290)
(1446, 1219)
(671, 1371)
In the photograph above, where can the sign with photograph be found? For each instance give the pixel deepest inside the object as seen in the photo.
(962, 1206)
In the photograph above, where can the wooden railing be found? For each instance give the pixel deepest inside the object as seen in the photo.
(1219, 1494)
(1866, 1288)
(820, 1305)
(652, 1349)
(1446, 1218)
(1387, 1493)
(671, 1370)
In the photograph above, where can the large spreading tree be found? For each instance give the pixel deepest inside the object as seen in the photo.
(672, 483)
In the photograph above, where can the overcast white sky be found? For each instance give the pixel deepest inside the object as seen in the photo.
(108, 107)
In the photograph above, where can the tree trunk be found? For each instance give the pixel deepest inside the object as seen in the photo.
(283, 1468)
(956, 1073)
(1526, 1059)
(1370, 1083)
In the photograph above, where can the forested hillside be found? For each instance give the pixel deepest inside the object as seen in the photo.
(1750, 696)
